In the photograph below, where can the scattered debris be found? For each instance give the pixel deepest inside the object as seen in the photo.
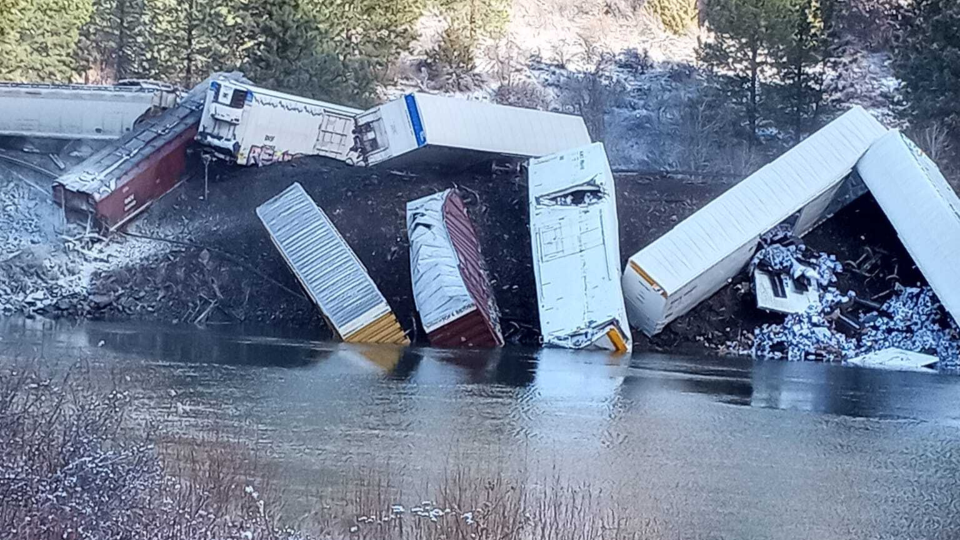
(249, 125)
(328, 269)
(704, 252)
(576, 250)
(451, 285)
(460, 133)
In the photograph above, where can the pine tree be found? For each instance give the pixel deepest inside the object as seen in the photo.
(802, 63)
(927, 59)
(112, 45)
(39, 38)
(746, 45)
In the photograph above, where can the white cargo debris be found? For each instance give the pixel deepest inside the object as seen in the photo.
(328, 269)
(255, 126)
(576, 250)
(700, 255)
(922, 207)
(782, 293)
(451, 131)
(896, 360)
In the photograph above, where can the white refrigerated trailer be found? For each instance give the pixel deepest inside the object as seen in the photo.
(696, 258)
(249, 125)
(423, 129)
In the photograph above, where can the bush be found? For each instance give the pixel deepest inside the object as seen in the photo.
(452, 61)
(524, 94)
(676, 15)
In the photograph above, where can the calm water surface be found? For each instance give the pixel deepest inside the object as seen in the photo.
(712, 448)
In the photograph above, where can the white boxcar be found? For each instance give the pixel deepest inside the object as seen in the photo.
(74, 111)
(576, 250)
(701, 254)
(450, 131)
(922, 207)
(329, 270)
(255, 126)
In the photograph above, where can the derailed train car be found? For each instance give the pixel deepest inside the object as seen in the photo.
(126, 176)
(329, 271)
(249, 125)
(576, 250)
(695, 259)
(451, 285)
(427, 130)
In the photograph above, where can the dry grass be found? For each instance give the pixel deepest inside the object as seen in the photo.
(71, 468)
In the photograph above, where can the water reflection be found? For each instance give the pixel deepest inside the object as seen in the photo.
(716, 447)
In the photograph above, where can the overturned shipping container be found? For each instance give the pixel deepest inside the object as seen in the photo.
(576, 250)
(451, 286)
(249, 125)
(701, 254)
(328, 269)
(76, 111)
(922, 207)
(422, 129)
(122, 179)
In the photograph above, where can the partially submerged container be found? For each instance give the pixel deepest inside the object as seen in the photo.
(126, 176)
(249, 125)
(576, 250)
(701, 254)
(328, 269)
(451, 285)
(423, 129)
(923, 208)
(76, 111)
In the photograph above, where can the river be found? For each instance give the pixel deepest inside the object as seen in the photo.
(712, 448)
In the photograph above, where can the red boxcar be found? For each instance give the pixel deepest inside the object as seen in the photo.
(126, 176)
(451, 285)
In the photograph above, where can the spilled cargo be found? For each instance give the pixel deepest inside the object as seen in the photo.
(923, 208)
(451, 285)
(125, 177)
(329, 271)
(422, 129)
(249, 125)
(700, 255)
(576, 251)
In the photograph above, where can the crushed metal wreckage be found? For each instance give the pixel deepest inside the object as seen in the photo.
(451, 285)
(328, 269)
(896, 360)
(576, 250)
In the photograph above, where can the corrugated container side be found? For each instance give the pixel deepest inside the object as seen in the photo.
(923, 208)
(697, 257)
(328, 269)
(473, 267)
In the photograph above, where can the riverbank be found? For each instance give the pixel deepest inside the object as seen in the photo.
(200, 255)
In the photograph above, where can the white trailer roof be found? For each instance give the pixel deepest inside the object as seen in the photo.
(486, 127)
(576, 248)
(760, 202)
(922, 207)
(324, 264)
